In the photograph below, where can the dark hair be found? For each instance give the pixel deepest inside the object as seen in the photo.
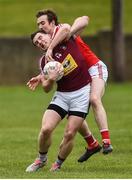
(34, 34)
(50, 14)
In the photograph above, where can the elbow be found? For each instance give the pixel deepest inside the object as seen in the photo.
(46, 90)
(67, 32)
(66, 29)
(45, 87)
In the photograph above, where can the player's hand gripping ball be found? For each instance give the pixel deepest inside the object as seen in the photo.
(52, 66)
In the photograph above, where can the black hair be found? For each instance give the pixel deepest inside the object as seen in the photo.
(34, 34)
(50, 14)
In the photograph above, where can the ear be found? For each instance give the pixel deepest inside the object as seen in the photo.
(53, 22)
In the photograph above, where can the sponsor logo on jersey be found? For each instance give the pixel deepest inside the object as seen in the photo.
(69, 64)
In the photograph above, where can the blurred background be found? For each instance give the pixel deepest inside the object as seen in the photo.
(109, 34)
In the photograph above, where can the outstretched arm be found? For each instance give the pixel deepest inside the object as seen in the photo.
(34, 82)
(47, 84)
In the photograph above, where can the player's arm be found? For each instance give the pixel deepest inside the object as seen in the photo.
(61, 35)
(78, 25)
(40, 79)
(47, 84)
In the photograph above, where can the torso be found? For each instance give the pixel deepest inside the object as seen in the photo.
(75, 68)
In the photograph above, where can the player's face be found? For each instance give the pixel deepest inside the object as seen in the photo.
(44, 24)
(42, 41)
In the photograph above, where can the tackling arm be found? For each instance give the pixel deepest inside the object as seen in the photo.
(62, 34)
(79, 24)
(65, 32)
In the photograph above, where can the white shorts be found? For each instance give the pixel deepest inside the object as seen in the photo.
(73, 101)
(99, 70)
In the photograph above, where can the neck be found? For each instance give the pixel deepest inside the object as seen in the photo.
(53, 29)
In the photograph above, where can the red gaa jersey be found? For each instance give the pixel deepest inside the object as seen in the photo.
(89, 56)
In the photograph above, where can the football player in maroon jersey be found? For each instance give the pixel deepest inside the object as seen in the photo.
(71, 97)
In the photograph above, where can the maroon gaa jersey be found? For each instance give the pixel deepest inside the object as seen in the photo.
(75, 67)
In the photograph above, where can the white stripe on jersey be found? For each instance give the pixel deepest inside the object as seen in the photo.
(55, 30)
(40, 61)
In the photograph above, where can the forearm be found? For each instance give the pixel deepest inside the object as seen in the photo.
(79, 24)
(61, 35)
(39, 76)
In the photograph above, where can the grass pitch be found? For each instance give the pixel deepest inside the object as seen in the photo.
(20, 119)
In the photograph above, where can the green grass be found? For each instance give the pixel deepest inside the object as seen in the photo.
(20, 119)
(17, 18)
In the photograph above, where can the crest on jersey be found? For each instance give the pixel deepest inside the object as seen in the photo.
(58, 55)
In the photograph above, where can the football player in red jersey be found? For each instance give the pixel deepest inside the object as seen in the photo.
(48, 22)
(71, 97)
